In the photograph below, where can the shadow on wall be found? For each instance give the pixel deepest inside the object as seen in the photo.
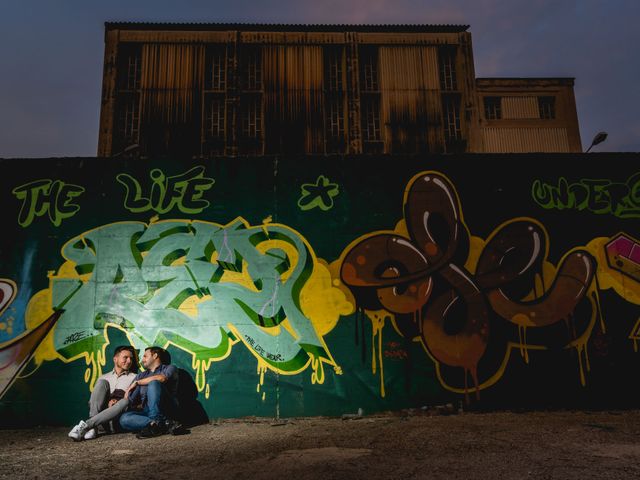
(191, 411)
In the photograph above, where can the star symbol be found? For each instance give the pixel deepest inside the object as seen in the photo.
(319, 194)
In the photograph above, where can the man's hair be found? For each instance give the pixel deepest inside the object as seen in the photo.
(163, 355)
(134, 355)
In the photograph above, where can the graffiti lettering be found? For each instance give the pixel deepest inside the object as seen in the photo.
(423, 280)
(198, 285)
(183, 191)
(74, 337)
(42, 197)
(597, 196)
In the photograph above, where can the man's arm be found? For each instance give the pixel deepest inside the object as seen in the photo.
(147, 380)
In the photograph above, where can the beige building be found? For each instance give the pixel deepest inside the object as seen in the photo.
(202, 90)
(528, 115)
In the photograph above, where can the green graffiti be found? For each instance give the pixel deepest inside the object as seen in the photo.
(183, 191)
(597, 196)
(52, 197)
(319, 194)
(200, 286)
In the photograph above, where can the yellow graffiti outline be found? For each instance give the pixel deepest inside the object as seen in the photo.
(97, 359)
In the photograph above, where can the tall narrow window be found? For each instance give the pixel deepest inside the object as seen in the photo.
(129, 67)
(451, 114)
(335, 67)
(493, 108)
(214, 118)
(251, 118)
(547, 107)
(129, 119)
(371, 120)
(127, 126)
(369, 69)
(335, 124)
(252, 70)
(334, 100)
(447, 65)
(133, 72)
(216, 68)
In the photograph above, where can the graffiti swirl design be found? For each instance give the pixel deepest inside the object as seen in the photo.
(423, 278)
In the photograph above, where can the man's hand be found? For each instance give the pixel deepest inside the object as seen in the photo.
(130, 389)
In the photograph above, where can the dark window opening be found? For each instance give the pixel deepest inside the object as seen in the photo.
(369, 69)
(451, 115)
(447, 64)
(252, 70)
(547, 107)
(371, 120)
(492, 108)
(216, 69)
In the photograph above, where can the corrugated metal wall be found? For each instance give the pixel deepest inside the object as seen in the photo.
(293, 98)
(410, 97)
(523, 140)
(520, 107)
(171, 85)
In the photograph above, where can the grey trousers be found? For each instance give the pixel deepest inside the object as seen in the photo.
(99, 412)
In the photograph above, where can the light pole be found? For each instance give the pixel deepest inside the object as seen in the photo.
(599, 138)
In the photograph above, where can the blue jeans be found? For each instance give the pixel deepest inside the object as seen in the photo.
(159, 404)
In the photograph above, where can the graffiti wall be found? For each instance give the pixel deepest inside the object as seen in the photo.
(289, 286)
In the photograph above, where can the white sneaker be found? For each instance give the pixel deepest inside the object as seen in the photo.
(78, 431)
(91, 434)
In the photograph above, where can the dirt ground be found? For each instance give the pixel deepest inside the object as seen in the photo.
(436, 444)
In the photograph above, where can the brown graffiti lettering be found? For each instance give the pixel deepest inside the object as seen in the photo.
(400, 274)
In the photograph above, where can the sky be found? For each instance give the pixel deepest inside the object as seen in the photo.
(51, 55)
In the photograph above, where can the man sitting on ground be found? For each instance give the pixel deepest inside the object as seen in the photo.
(107, 400)
(152, 396)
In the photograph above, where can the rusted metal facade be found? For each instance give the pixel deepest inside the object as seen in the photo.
(201, 90)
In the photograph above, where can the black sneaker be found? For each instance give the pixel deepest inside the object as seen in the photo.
(151, 430)
(175, 428)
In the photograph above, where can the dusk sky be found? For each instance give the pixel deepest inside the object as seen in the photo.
(51, 54)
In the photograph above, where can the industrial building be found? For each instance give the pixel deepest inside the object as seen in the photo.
(202, 90)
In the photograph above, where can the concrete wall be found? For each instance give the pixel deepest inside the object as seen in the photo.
(293, 286)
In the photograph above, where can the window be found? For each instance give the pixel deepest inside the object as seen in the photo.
(252, 70)
(451, 114)
(334, 75)
(251, 118)
(214, 117)
(129, 119)
(447, 64)
(216, 71)
(129, 67)
(371, 120)
(547, 107)
(369, 69)
(334, 99)
(492, 108)
(133, 72)
(335, 127)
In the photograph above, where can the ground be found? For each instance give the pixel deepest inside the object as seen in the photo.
(435, 444)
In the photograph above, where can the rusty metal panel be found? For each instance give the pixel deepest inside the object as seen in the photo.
(293, 98)
(292, 38)
(143, 36)
(408, 38)
(171, 86)
(407, 74)
(525, 140)
(520, 107)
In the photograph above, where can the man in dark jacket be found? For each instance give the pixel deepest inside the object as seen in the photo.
(152, 396)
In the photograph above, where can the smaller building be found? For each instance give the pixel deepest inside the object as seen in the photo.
(519, 115)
